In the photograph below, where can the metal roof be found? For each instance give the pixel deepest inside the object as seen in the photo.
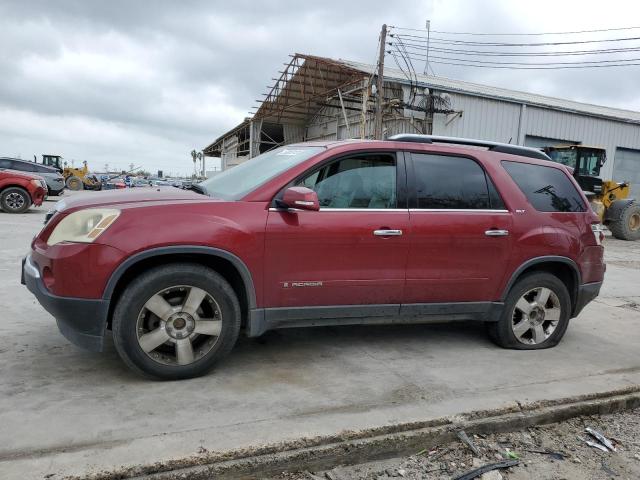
(476, 89)
(303, 87)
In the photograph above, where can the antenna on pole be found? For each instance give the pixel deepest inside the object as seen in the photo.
(426, 65)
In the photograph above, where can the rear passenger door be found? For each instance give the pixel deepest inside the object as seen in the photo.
(460, 240)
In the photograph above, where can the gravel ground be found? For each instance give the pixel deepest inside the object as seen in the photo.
(551, 452)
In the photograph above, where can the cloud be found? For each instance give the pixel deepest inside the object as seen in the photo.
(145, 82)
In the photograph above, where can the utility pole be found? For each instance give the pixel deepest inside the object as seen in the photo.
(426, 65)
(380, 84)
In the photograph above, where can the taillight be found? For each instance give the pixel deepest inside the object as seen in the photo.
(598, 232)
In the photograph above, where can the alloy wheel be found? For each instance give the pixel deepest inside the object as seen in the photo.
(14, 201)
(536, 316)
(179, 325)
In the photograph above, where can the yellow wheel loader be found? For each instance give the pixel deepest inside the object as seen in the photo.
(609, 199)
(75, 178)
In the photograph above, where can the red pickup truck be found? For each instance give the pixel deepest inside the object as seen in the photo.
(20, 190)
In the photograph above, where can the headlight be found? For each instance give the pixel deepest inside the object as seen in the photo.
(38, 183)
(83, 226)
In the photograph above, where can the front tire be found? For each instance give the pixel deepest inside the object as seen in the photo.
(74, 183)
(176, 321)
(536, 314)
(15, 200)
(627, 227)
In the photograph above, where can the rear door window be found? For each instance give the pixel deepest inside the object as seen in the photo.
(452, 183)
(24, 167)
(548, 189)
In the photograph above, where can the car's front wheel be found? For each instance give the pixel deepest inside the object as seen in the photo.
(176, 321)
(15, 200)
(536, 313)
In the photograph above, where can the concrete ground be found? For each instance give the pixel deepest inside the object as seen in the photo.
(66, 411)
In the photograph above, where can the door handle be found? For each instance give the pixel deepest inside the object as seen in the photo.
(387, 233)
(496, 233)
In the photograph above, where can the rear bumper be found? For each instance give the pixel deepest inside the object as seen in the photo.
(82, 321)
(586, 293)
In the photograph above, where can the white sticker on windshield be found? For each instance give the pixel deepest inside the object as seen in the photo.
(290, 152)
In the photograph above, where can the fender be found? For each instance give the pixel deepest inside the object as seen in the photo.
(245, 274)
(616, 208)
(538, 260)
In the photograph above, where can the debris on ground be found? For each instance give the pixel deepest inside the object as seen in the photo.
(601, 438)
(475, 473)
(468, 442)
(549, 452)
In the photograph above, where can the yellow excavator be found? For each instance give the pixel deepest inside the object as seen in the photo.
(609, 199)
(75, 178)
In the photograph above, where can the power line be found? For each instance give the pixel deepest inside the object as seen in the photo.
(529, 63)
(600, 51)
(517, 34)
(515, 67)
(420, 39)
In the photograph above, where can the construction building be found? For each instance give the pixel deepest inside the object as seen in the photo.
(318, 98)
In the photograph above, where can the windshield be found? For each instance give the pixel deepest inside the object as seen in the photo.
(565, 157)
(236, 182)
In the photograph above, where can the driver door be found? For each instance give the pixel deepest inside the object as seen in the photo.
(353, 251)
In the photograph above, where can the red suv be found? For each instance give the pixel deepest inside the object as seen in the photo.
(410, 230)
(20, 190)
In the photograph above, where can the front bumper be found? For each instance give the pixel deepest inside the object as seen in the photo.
(82, 321)
(38, 196)
(586, 293)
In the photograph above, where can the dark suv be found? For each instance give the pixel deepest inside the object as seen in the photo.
(408, 230)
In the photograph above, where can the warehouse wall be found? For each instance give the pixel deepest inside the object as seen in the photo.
(599, 132)
(481, 118)
(501, 121)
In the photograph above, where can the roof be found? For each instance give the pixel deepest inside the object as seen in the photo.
(307, 82)
(476, 89)
(303, 87)
(214, 148)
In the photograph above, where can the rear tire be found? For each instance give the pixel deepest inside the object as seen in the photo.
(74, 183)
(155, 322)
(627, 226)
(536, 314)
(15, 200)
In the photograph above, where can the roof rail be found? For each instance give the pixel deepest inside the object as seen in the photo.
(492, 146)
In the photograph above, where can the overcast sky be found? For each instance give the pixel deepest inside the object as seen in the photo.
(145, 82)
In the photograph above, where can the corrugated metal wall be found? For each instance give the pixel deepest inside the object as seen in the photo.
(489, 119)
(481, 118)
(599, 132)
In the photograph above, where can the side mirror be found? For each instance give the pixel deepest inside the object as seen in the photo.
(302, 198)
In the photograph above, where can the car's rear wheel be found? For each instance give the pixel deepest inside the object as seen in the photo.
(536, 314)
(15, 200)
(176, 321)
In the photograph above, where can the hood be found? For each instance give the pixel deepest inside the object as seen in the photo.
(129, 196)
(20, 174)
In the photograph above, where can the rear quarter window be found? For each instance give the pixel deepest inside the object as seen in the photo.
(548, 189)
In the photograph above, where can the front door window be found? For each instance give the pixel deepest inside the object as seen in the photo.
(355, 182)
